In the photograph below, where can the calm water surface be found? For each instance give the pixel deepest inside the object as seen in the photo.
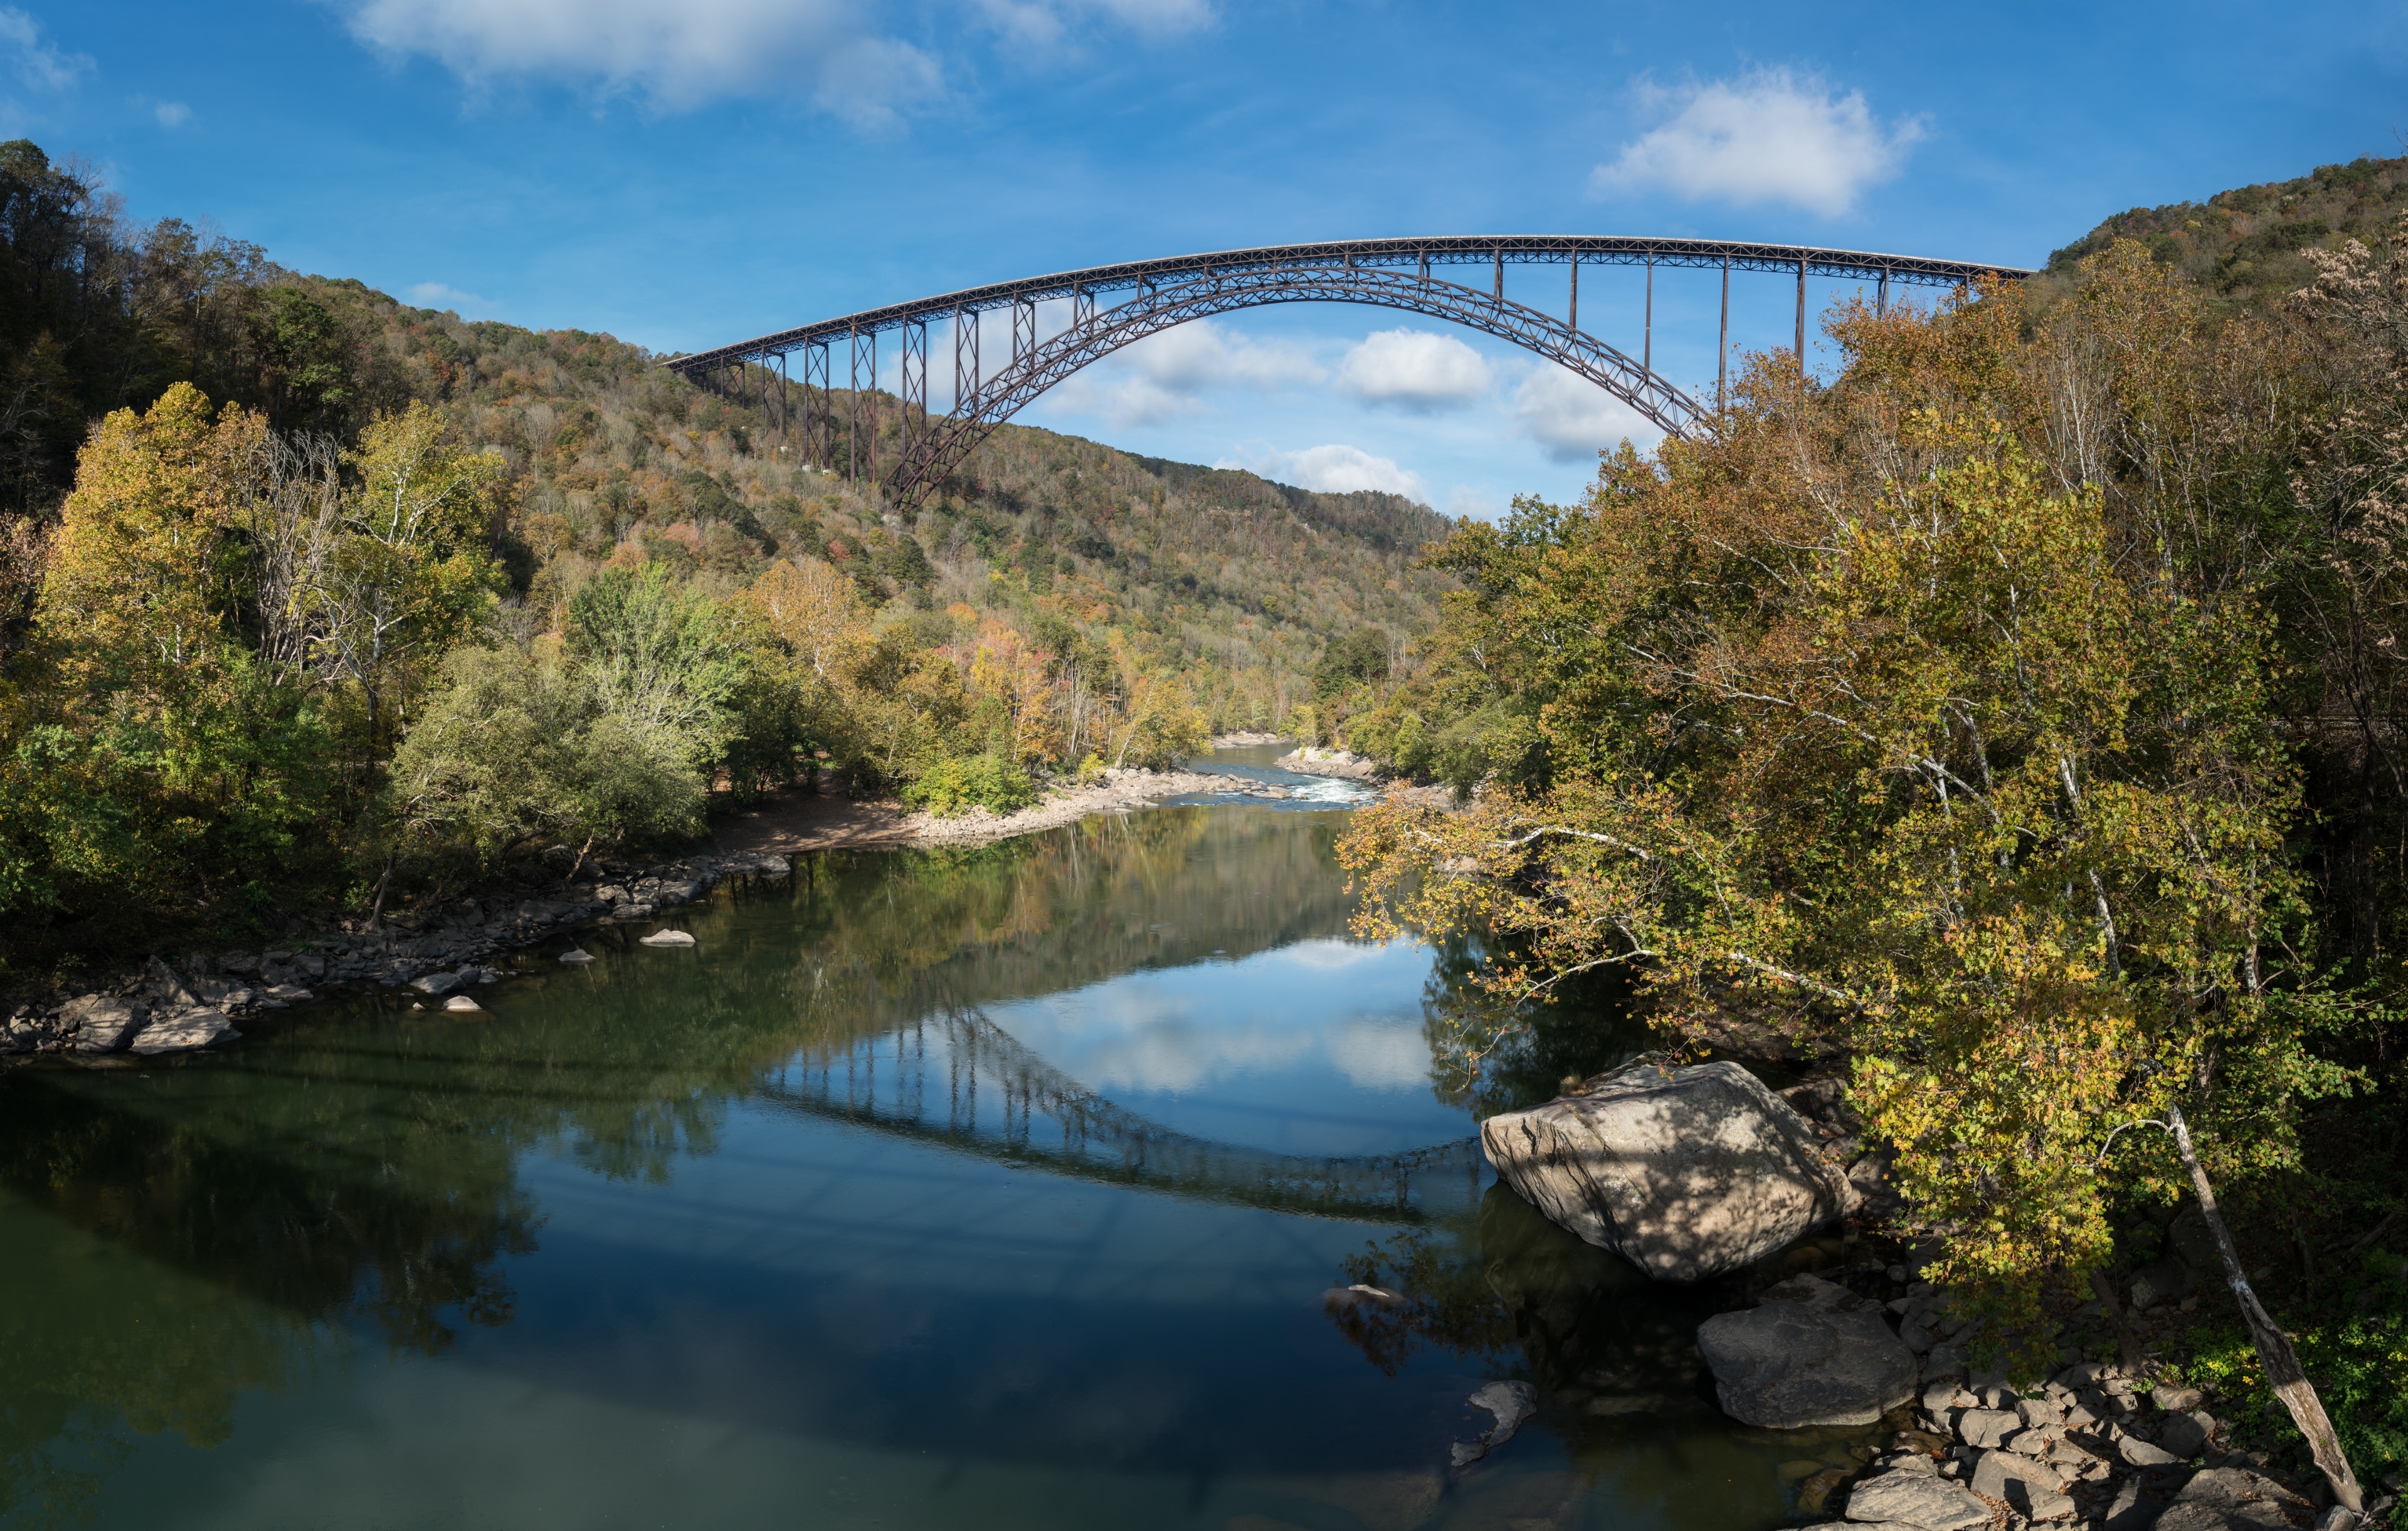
(994, 1188)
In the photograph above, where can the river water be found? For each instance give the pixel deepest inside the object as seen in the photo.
(996, 1188)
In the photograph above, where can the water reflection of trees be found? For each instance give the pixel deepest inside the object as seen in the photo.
(359, 1167)
(1492, 1054)
(260, 1246)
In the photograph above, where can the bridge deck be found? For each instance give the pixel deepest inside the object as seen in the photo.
(1453, 249)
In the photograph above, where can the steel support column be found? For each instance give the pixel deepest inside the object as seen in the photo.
(1801, 313)
(1498, 294)
(1082, 306)
(1571, 319)
(913, 391)
(1647, 323)
(1722, 347)
(1023, 330)
(1881, 295)
(819, 423)
(965, 338)
(864, 349)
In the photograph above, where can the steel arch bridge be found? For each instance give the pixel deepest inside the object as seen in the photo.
(1396, 274)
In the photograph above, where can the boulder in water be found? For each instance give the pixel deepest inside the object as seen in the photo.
(1811, 1354)
(575, 955)
(667, 938)
(188, 1032)
(1510, 1403)
(1686, 1173)
(101, 1023)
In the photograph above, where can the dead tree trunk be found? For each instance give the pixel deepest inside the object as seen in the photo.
(2274, 1349)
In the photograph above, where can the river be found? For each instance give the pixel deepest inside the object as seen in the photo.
(996, 1187)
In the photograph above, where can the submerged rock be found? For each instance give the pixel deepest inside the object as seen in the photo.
(1686, 1173)
(459, 1002)
(667, 938)
(1810, 1354)
(576, 955)
(1510, 1403)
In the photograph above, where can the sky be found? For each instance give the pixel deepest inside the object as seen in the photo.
(687, 172)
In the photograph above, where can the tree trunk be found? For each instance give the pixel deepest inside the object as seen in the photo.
(376, 910)
(2274, 1349)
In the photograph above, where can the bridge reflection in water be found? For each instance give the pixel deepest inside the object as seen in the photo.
(953, 1079)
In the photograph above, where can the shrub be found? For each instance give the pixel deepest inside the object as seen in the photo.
(955, 786)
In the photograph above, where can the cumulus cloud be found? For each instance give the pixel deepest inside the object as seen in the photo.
(172, 114)
(1414, 370)
(679, 54)
(36, 65)
(1333, 470)
(1573, 420)
(1165, 375)
(1768, 136)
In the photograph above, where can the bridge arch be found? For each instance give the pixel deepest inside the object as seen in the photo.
(1394, 274)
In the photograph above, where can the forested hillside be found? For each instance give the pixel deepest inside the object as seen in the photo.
(2249, 244)
(314, 599)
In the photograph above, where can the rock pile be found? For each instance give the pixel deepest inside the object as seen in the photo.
(2091, 1447)
(162, 1010)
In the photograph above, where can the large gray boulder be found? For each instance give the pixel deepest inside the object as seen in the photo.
(1686, 1173)
(186, 1033)
(2233, 1499)
(1918, 1499)
(101, 1023)
(2030, 1488)
(1810, 1354)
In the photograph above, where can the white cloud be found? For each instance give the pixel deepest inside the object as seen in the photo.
(1573, 419)
(436, 295)
(1769, 136)
(172, 114)
(678, 52)
(1414, 370)
(1333, 470)
(1044, 25)
(681, 53)
(35, 64)
(1165, 375)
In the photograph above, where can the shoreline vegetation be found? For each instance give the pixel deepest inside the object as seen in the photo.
(2009, 713)
(195, 1001)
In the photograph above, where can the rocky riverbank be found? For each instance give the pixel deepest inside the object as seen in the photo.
(196, 1000)
(1312, 760)
(2097, 1444)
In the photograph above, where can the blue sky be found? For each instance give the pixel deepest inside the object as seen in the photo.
(683, 173)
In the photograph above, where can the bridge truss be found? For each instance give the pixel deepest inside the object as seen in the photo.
(1396, 274)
